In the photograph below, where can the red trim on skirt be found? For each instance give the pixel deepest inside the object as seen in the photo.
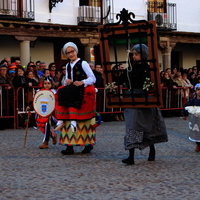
(87, 110)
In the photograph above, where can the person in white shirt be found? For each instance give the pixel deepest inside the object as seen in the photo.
(75, 119)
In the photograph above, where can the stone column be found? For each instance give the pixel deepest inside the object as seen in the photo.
(166, 49)
(25, 48)
(88, 44)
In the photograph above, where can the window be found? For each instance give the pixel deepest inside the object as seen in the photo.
(157, 6)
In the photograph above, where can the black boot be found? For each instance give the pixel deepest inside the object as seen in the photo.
(69, 151)
(130, 159)
(152, 153)
(87, 149)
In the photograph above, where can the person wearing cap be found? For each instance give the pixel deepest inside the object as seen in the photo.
(12, 71)
(193, 102)
(75, 122)
(4, 78)
(144, 126)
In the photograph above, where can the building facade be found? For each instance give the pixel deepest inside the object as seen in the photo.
(34, 30)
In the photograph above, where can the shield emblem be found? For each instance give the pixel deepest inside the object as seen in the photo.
(44, 102)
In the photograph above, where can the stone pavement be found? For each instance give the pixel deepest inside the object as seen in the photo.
(29, 173)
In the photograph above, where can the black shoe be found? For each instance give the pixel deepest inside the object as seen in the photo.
(152, 153)
(87, 149)
(68, 151)
(128, 161)
(151, 158)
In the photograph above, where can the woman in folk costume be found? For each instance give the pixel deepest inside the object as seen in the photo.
(46, 124)
(76, 119)
(144, 126)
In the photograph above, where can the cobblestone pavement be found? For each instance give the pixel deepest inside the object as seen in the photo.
(29, 173)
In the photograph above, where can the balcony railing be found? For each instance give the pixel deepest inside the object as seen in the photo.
(17, 9)
(165, 15)
(95, 15)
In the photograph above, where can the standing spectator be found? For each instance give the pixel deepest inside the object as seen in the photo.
(166, 81)
(62, 75)
(31, 83)
(169, 71)
(33, 69)
(4, 62)
(187, 85)
(12, 71)
(37, 64)
(8, 60)
(192, 78)
(20, 80)
(99, 77)
(5, 79)
(189, 70)
(177, 78)
(174, 71)
(54, 74)
(42, 67)
(194, 69)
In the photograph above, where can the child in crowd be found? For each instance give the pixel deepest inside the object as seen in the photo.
(45, 123)
(194, 102)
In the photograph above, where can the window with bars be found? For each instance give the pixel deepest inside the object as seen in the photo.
(23, 9)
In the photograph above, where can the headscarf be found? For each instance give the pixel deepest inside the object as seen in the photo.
(70, 44)
(196, 86)
(141, 47)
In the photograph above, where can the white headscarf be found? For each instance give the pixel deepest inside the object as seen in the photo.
(70, 44)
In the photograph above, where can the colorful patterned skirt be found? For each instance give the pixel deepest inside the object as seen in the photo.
(85, 118)
(84, 136)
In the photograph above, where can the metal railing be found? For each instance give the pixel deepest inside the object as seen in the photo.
(7, 104)
(17, 9)
(13, 103)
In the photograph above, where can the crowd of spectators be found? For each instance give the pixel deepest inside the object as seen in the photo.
(183, 78)
(16, 76)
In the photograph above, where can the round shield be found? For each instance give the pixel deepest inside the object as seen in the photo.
(44, 102)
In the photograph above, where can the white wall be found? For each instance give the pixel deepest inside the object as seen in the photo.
(188, 15)
(64, 13)
(191, 53)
